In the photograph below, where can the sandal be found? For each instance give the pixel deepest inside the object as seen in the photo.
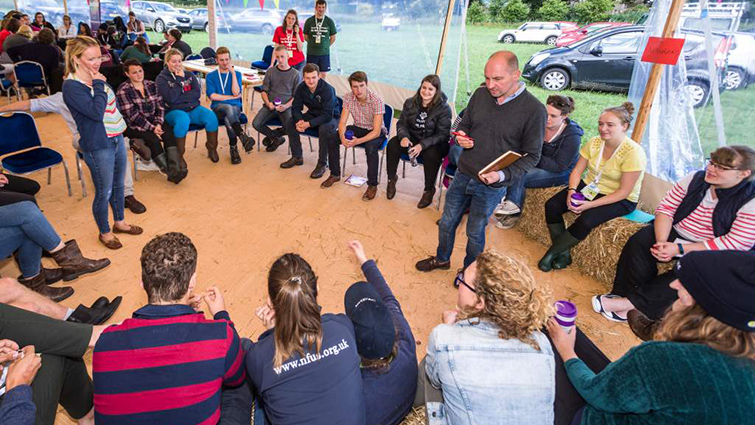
(133, 230)
(112, 243)
(597, 306)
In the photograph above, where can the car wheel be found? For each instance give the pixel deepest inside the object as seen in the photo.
(159, 26)
(267, 29)
(734, 79)
(555, 79)
(206, 27)
(551, 41)
(698, 92)
(508, 38)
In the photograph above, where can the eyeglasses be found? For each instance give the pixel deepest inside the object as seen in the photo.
(460, 280)
(709, 163)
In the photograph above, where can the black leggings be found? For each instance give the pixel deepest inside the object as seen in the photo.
(588, 220)
(18, 189)
(637, 275)
(151, 140)
(568, 401)
(432, 158)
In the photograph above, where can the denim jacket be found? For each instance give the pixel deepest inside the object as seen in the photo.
(487, 380)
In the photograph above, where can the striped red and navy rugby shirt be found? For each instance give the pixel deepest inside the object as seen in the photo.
(166, 365)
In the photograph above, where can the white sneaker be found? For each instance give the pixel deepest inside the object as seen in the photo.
(507, 221)
(506, 208)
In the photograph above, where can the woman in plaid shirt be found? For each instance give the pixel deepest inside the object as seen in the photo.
(142, 108)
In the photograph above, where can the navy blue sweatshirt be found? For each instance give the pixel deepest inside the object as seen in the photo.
(17, 408)
(171, 89)
(389, 393)
(321, 105)
(562, 153)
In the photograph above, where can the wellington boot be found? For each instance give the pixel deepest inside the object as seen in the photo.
(175, 172)
(162, 163)
(212, 146)
(181, 147)
(563, 260)
(564, 242)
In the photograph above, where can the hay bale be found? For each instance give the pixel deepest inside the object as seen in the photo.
(597, 255)
(415, 417)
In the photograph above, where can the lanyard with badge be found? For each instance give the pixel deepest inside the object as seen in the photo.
(591, 190)
(290, 41)
(223, 83)
(318, 29)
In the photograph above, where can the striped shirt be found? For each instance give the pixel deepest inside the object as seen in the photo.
(166, 365)
(698, 226)
(364, 113)
(112, 120)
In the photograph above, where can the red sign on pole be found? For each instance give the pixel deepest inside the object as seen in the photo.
(663, 50)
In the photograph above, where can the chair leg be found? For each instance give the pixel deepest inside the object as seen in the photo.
(81, 176)
(354, 156)
(380, 166)
(196, 136)
(49, 176)
(68, 179)
(253, 93)
(440, 186)
(259, 141)
(345, 155)
(404, 164)
(311, 149)
(133, 159)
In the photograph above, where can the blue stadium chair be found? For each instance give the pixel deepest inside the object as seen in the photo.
(267, 59)
(387, 120)
(30, 75)
(23, 153)
(5, 86)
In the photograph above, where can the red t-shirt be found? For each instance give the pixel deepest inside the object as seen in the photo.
(295, 56)
(3, 35)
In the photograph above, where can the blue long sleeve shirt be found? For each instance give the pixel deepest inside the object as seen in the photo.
(17, 407)
(224, 85)
(389, 393)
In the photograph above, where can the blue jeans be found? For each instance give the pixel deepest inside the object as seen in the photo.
(229, 114)
(535, 179)
(454, 153)
(108, 169)
(264, 115)
(180, 120)
(24, 229)
(481, 200)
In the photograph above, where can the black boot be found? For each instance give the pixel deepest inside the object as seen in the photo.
(246, 140)
(564, 242)
(162, 163)
(175, 172)
(97, 314)
(235, 157)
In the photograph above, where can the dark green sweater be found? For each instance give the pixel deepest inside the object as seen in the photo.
(668, 383)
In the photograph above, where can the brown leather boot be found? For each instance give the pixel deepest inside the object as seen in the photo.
(74, 264)
(181, 146)
(212, 146)
(390, 191)
(641, 325)
(39, 285)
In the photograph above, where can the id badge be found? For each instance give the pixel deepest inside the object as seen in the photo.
(317, 38)
(590, 191)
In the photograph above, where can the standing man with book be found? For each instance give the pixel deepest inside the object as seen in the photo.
(320, 33)
(500, 117)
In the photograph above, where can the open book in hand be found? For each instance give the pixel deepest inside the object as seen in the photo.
(501, 162)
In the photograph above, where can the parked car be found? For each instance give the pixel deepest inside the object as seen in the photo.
(534, 32)
(200, 22)
(390, 22)
(160, 16)
(605, 61)
(570, 37)
(52, 10)
(110, 9)
(740, 70)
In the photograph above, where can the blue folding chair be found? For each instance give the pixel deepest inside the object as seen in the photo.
(5, 86)
(387, 120)
(267, 59)
(311, 132)
(29, 74)
(22, 151)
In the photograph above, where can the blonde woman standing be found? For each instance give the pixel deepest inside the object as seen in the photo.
(93, 107)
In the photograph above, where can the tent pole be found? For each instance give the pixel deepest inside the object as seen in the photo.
(654, 80)
(65, 7)
(15, 4)
(212, 20)
(444, 38)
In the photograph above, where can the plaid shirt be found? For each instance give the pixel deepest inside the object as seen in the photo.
(141, 113)
(364, 114)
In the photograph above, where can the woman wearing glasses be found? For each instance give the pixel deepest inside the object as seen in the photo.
(489, 358)
(713, 209)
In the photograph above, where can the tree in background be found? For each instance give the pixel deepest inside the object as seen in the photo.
(477, 13)
(495, 9)
(553, 10)
(515, 11)
(593, 10)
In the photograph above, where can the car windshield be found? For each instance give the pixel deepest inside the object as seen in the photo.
(164, 7)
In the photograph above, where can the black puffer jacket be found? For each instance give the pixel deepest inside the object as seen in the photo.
(437, 124)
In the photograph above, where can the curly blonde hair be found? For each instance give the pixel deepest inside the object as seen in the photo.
(694, 325)
(513, 300)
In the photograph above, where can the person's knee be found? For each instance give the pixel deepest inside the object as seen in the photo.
(10, 290)
(180, 122)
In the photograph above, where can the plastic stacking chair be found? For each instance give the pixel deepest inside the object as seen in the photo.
(29, 74)
(387, 120)
(23, 153)
(267, 59)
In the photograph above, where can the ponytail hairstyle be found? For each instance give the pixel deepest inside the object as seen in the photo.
(623, 113)
(141, 45)
(292, 288)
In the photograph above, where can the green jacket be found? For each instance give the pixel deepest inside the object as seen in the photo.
(133, 52)
(668, 383)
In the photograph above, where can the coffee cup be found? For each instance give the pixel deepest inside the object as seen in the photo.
(277, 101)
(349, 134)
(576, 196)
(566, 314)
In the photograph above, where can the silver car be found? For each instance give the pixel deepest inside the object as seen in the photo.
(199, 20)
(160, 16)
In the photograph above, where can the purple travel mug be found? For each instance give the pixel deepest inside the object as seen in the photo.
(566, 314)
(277, 101)
(576, 196)
(349, 134)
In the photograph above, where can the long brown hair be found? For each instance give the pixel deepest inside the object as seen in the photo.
(296, 15)
(434, 80)
(292, 288)
(694, 325)
(514, 302)
(141, 45)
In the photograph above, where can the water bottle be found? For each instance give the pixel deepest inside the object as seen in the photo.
(349, 134)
